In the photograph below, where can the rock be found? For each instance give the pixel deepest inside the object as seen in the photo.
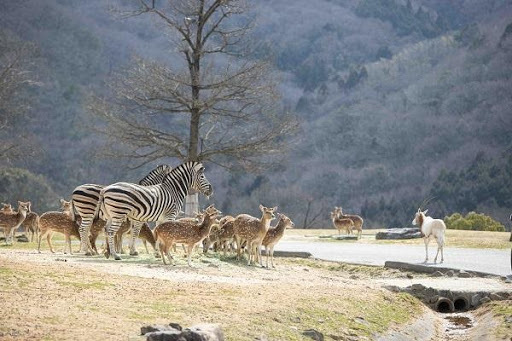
(475, 300)
(450, 273)
(409, 276)
(165, 336)
(22, 239)
(464, 274)
(204, 332)
(314, 334)
(174, 332)
(417, 287)
(484, 300)
(158, 328)
(399, 233)
(433, 299)
(495, 297)
(344, 237)
(437, 274)
(354, 277)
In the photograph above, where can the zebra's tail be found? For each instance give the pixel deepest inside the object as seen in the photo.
(100, 208)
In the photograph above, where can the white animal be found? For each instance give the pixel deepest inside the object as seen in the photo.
(430, 227)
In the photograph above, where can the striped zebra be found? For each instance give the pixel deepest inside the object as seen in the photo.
(84, 202)
(157, 203)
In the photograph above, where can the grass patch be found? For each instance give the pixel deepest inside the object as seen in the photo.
(502, 310)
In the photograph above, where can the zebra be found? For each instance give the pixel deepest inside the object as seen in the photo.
(157, 203)
(84, 201)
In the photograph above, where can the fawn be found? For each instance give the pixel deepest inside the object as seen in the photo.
(358, 221)
(341, 223)
(275, 234)
(62, 222)
(11, 221)
(184, 231)
(252, 230)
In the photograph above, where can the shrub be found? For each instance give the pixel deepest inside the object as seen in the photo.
(473, 221)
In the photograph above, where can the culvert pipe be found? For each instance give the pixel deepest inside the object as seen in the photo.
(461, 303)
(444, 305)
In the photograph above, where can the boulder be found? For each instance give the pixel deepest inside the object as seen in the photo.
(314, 334)
(174, 332)
(464, 274)
(399, 233)
(437, 274)
(344, 237)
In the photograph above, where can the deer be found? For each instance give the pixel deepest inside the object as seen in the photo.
(252, 230)
(6, 208)
(358, 221)
(11, 221)
(184, 231)
(342, 223)
(429, 228)
(274, 235)
(222, 237)
(31, 223)
(62, 222)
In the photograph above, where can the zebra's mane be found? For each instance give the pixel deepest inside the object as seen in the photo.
(180, 171)
(156, 176)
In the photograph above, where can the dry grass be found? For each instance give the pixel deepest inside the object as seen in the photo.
(454, 238)
(93, 298)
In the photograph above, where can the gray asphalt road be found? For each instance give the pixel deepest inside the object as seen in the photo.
(485, 260)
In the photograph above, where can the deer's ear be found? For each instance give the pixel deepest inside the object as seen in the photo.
(261, 208)
(274, 208)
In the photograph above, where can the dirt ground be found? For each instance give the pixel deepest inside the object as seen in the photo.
(58, 297)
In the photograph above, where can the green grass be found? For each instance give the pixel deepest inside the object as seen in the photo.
(502, 310)
(454, 238)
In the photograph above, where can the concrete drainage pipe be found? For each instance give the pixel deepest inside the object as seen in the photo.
(444, 305)
(461, 303)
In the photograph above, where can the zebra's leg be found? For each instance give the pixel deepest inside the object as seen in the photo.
(136, 226)
(85, 227)
(111, 228)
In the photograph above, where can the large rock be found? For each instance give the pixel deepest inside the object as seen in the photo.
(399, 233)
(173, 332)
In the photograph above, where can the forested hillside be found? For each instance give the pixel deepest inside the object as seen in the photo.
(398, 101)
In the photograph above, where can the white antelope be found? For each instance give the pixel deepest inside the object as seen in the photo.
(430, 227)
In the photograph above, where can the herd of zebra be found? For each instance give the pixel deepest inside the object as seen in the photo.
(158, 198)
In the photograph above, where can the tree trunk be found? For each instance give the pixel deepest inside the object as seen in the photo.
(191, 205)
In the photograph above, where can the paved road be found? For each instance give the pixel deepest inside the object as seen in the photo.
(485, 260)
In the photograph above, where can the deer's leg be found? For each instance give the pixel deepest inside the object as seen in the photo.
(67, 243)
(272, 255)
(267, 252)
(49, 240)
(41, 235)
(190, 248)
(161, 248)
(258, 252)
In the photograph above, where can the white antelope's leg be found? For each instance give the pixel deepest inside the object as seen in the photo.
(136, 226)
(426, 239)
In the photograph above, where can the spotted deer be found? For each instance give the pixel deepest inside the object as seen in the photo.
(10, 222)
(31, 224)
(275, 234)
(6, 208)
(252, 230)
(186, 232)
(225, 236)
(358, 221)
(61, 222)
(342, 223)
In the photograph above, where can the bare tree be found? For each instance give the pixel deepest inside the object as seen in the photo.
(16, 60)
(219, 106)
